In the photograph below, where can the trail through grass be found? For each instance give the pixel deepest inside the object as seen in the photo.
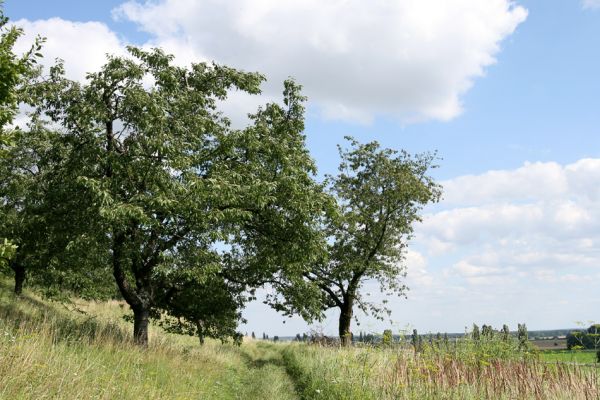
(49, 352)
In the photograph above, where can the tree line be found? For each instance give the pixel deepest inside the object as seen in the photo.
(134, 185)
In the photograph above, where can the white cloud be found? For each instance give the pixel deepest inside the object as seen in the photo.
(82, 45)
(591, 4)
(533, 181)
(417, 268)
(409, 59)
(538, 222)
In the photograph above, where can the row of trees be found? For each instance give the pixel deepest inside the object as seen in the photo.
(132, 184)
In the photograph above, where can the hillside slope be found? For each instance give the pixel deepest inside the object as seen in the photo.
(84, 351)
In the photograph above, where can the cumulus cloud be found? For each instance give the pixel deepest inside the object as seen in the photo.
(417, 268)
(82, 45)
(540, 221)
(409, 59)
(533, 181)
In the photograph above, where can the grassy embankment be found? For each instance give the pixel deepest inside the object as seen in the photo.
(47, 352)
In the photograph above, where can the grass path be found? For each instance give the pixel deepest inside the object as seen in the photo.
(269, 375)
(48, 352)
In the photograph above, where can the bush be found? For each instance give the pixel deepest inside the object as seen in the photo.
(584, 339)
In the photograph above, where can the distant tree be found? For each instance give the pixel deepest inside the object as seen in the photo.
(379, 194)
(176, 198)
(253, 335)
(298, 337)
(487, 331)
(587, 339)
(475, 333)
(204, 309)
(505, 332)
(387, 337)
(276, 338)
(416, 341)
(522, 336)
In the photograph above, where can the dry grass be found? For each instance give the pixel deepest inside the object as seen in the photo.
(49, 352)
(376, 373)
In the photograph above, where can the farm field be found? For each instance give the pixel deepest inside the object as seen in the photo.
(583, 357)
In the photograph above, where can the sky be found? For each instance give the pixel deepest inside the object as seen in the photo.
(506, 92)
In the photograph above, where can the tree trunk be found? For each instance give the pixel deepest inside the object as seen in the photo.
(19, 277)
(141, 318)
(199, 327)
(138, 298)
(344, 325)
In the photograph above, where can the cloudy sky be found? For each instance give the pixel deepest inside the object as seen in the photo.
(507, 92)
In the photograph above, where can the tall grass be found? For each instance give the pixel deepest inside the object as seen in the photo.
(49, 352)
(462, 370)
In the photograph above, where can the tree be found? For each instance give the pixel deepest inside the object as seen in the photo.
(379, 194)
(22, 191)
(15, 71)
(387, 338)
(183, 205)
(37, 215)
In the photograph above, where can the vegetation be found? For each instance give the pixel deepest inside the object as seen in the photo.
(463, 369)
(129, 198)
(379, 194)
(15, 72)
(165, 181)
(49, 352)
(588, 339)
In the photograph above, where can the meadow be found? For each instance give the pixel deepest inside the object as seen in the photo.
(84, 350)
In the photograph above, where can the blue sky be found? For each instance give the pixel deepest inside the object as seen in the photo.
(505, 87)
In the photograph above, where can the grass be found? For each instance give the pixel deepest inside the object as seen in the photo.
(49, 352)
(84, 350)
(568, 356)
(400, 373)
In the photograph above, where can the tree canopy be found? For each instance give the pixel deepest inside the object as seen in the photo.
(170, 193)
(379, 194)
(133, 184)
(15, 71)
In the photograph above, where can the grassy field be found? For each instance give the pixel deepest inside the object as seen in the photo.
(582, 357)
(395, 373)
(48, 352)
(84, 351)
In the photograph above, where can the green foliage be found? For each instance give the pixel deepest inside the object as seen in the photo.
(387, 337)
(184, 208)
(379, 194)
(522, 336)
(437, 373)
(15, 71)
(416, 341)
(7, 251)
(14, 74)
(584, 339)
